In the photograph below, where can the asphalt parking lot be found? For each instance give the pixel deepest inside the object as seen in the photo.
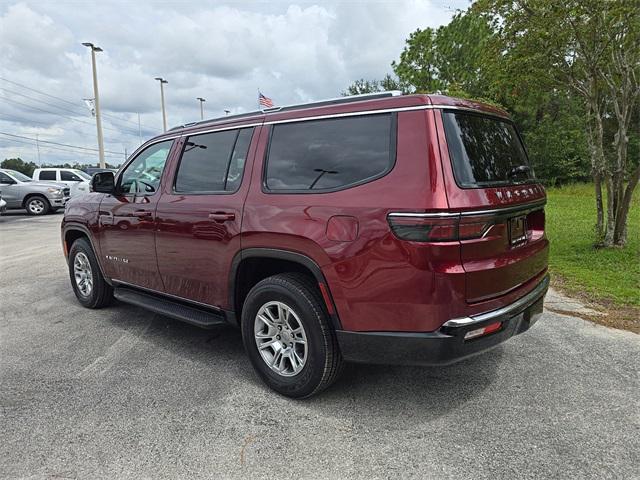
(122, 392)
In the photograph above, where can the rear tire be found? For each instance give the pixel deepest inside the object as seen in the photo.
(299, 354)
(37, 205)
(90, 287)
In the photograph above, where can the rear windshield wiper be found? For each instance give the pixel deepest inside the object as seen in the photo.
(520, 169)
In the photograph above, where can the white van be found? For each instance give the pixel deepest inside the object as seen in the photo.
(77, 180)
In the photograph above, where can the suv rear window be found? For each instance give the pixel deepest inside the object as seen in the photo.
(485, 151)
(330, 154)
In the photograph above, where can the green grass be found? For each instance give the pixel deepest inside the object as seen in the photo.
(609, 275)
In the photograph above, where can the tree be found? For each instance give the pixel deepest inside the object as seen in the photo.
(362, 86)
(449, 59)
(590, 48)
(19, 165)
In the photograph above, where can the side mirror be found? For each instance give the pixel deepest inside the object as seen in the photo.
(103, 182)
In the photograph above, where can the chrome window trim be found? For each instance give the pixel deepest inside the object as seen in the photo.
(221, 129)
(338, 115)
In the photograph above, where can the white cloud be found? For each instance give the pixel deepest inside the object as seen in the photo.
(292, 51)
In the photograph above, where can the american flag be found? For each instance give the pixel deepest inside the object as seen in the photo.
(265, 102)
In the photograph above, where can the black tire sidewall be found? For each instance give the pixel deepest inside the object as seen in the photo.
(304, 383)
(93, 298)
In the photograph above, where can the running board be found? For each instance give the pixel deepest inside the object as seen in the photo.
(200, 317)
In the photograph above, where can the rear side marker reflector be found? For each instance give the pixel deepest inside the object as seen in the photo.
(494, 327)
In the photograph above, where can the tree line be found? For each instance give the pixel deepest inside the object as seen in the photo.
(569, 74)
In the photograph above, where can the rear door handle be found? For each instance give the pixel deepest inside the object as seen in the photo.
(222, 216)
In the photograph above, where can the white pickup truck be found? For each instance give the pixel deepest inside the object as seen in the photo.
(76, 180)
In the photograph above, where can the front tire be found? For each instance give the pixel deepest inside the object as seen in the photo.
(37, 205)
(90, 287)
(288, 336)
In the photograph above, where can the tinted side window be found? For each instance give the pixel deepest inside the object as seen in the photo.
(485, 151)
(69, 176)
(330, 154)
(47, 175)
(143, 174)
(213, 162)
(238, 160)
(4, 178)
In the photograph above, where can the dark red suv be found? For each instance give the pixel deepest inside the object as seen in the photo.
(381, 228)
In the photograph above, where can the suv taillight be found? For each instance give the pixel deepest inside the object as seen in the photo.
(425, 227)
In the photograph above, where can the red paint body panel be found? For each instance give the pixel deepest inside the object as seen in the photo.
(377, 281)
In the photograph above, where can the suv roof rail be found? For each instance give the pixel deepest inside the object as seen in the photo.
(296, 106)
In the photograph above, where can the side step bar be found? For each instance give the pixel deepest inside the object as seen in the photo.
(200, 317)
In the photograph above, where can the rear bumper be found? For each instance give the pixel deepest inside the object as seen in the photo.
(447, 344)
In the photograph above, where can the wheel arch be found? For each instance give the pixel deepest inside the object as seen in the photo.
(241, 279)
(29, 196)
(73, 232)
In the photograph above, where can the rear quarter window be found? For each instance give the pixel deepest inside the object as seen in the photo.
(47, 175)
(332, 154)
(485, 151)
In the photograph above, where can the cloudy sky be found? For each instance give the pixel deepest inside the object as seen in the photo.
(222, 51)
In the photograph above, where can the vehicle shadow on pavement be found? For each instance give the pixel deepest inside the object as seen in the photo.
(385, 392)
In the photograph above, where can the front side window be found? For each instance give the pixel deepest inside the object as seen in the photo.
(47, 175)
(4, 178)
(213, 162)
(330, 154)
(142, 175)
(69, 176)
(21, 177)
(485, 151)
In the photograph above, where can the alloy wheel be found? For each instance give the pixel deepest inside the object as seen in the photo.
(83, 274)
(281, 339)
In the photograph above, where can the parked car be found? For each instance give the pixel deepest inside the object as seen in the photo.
(383, 229)
(39, 198)
(76, 180)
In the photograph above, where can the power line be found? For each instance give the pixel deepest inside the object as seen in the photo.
(47, 147)
(56, 143)
(69, 102)
(66, 116)
(4, 89)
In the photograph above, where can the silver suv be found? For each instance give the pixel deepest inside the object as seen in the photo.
(39, 198)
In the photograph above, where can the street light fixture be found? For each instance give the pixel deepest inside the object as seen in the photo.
(201, 100)
(164, 113)
(96, 96)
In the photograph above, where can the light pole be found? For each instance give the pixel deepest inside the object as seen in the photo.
(201, 100)
(164, 113)
(95, 49)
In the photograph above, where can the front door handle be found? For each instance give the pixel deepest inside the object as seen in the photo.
(222, 216)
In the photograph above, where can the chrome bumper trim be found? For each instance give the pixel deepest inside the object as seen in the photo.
(511, 309)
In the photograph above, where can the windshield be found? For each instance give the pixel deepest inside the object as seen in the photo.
(485, 151)
(81, 174)
(19, 176)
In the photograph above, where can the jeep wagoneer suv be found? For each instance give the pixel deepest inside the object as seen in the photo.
(381, 228)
